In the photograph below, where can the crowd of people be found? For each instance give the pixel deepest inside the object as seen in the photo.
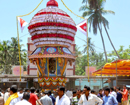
(106, 96)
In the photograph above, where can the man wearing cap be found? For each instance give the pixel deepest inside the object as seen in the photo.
(46, 100)
(14, 97)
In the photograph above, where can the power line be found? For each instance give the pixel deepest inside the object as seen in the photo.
(24, 35)
(92, 45)
(80, 39)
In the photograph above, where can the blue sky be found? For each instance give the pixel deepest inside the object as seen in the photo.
(119, 23)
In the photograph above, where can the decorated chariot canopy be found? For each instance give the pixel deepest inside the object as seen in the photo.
(52, 31)
(122, 66)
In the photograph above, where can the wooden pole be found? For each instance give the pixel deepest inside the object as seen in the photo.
(102, 78)
(87, 49)
(116, 73)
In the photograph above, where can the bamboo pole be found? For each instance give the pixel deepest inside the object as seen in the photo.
(87, 49)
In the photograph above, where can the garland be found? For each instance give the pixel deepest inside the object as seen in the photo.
(52, 24)
(51, 79)
(48, 84)
(41, 13)
(52, 35)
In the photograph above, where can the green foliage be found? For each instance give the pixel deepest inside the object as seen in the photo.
(9, 55)
(97, 59)
(90, 46)
(94, 11)
(94, 17)
(92, 3)
(123, 53)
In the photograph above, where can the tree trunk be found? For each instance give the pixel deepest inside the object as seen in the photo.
(103, 42)
(111, 41)
(107, 33)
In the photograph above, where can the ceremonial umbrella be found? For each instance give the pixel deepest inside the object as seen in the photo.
(118, 67)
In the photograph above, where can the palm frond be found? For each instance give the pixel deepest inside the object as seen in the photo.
(84, 1)
(90, 21)
(101, 3)
(84, 7)
(87, 13)
(105, 21)
(107, 11)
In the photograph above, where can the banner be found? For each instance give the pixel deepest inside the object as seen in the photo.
(91, 70)
(16, 70)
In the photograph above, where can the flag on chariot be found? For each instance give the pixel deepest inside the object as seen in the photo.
(22, 23)
(83, 27)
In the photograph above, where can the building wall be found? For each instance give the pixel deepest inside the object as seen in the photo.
(32, 69)
(94, 84)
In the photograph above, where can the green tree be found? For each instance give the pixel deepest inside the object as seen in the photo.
(9, 55)
(15, 52)
(123, 53)
(92, 3)
(5, 56)
(90, 46)
(96, 7)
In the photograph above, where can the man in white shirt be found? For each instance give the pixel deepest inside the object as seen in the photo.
(69, 93)
(113, 92)
(7, 94)
(2, 95)
(20, 91)
(62, 99)
(14, 96)
(88, 98)
(26, 97)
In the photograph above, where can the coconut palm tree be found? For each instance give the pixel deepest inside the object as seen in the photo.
(14, 51)
(5, 56)
(96, 20)
(101, 11)
(92, 3)
(9, 55)
(90, 47)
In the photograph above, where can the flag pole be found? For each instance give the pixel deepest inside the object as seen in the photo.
(18, 33)
(18, 46)
(87, 50)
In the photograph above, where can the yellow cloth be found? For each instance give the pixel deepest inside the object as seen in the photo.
(13, 96)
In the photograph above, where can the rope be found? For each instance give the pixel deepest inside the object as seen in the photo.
(87, 34)
(71, 11)
(18, 33)
(31, 11)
